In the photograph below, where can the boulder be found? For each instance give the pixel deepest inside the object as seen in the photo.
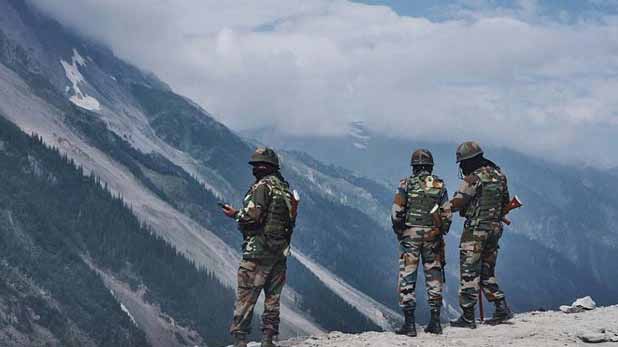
(586, 303)
(580, 305)
(593, 337)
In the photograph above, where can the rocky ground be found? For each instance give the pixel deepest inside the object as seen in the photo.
(533, 329)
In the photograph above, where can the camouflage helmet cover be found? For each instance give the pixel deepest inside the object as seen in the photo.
(421, 157)
(264, 155)
(468, 150)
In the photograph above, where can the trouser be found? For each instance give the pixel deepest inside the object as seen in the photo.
(478, 251)
(413, 247)
(253, 277)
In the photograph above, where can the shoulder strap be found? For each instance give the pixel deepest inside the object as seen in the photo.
(282, 189)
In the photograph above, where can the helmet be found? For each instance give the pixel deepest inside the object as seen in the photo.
(421, 157)
(467, 150)
(264, 155)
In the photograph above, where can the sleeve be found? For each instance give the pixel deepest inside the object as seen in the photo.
(252, 215)
(446, 215)
(398, 209)
(464, 194)
(507, 196)
(444, 198)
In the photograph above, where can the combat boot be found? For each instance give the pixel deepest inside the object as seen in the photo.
(408, 328)
(240, 340)
(434, 326)
(502, 314)
(267, 339)
(466, 320)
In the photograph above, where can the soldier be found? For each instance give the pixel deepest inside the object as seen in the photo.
(481, 199)
(266, 221)
(419, 223)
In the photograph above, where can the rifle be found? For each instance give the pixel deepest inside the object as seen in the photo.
(441, 245)
(513, 204)
(294, 202)
(481, 311)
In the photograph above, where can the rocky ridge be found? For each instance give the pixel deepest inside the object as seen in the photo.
(538, 328)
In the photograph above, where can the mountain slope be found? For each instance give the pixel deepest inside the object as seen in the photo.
(170, 161)
(77, 253)
(327, 203)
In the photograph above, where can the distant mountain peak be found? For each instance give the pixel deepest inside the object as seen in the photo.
(357, 131)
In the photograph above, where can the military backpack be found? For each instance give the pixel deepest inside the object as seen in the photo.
(424, 192)
(486, 208)
(280, 220)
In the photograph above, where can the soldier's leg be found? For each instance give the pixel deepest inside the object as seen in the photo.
(410, 246)
(246, 297)
(488, 271)
(432, 267)
(470, 249)
(408, 266)
(488, 280)
(273, 287)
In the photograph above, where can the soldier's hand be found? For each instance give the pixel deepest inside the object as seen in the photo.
(433, 234)
(229, 211)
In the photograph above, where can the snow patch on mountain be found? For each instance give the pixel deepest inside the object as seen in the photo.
(359, 135)
(77, 58)
(125, 310)
(73, 74)
(381, 315)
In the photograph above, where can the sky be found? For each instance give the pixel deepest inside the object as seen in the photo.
(565, 10)
(536, 76)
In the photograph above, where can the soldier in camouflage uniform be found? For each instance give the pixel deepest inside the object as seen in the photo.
(481, 199)
(266, 221)
(420, 223)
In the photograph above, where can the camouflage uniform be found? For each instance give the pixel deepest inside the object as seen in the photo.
(483, 194)
(419, 239)
(266, 223)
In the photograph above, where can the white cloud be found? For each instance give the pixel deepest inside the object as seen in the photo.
(504, 77)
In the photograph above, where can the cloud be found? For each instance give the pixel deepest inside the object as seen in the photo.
(505, 77)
